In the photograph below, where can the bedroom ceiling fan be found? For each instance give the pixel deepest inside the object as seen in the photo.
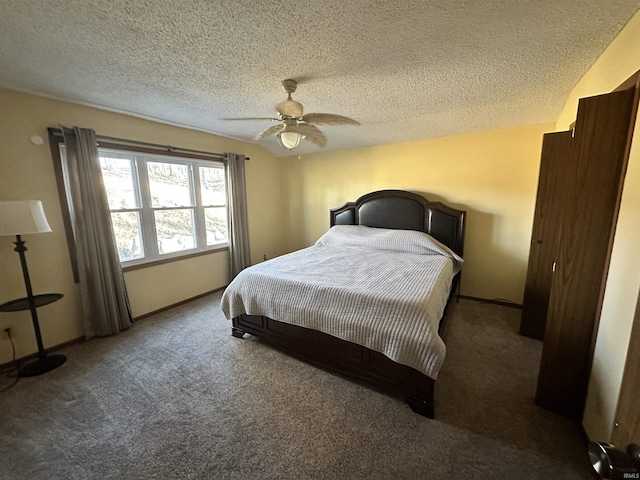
(294, 125)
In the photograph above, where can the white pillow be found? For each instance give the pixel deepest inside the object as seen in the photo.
(403, 241)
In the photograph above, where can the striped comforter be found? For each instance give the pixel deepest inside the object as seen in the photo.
(383, 289)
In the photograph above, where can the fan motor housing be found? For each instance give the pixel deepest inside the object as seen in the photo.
(290, 108)
(289, 85)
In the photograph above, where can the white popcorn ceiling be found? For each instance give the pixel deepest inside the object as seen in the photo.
(406, 70)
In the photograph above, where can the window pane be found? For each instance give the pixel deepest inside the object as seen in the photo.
(216, 223)
(169, 184)
(126, 227)
(117, 174)
(175, 230)
(212, 186)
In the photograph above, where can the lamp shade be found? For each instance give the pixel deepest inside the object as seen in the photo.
(290, 140)
(289, 137)
(22, 217)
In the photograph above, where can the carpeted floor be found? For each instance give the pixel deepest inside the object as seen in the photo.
(178, 397)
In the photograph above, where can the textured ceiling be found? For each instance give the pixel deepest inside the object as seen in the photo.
(405, 69)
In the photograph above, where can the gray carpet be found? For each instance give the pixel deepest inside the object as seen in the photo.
(178, 397)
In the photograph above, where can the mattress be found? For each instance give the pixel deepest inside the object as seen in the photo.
(382, 289)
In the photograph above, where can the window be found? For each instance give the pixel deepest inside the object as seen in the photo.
(163, 207)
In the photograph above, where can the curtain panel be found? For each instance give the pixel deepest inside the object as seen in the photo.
(237, 219)
(104, 296)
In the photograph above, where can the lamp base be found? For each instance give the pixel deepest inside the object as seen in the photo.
(42, 365)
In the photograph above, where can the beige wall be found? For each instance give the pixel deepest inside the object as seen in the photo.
(493, 175)
(619, 61)
(26, 172)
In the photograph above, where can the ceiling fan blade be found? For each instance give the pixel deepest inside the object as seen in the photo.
(269, 131)
(328, 119)
(311, 133)
(252, 118)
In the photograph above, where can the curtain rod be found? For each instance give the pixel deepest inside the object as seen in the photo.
(168, 148)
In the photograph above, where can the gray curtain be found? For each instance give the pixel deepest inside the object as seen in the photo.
(104, 296)
(238, 225)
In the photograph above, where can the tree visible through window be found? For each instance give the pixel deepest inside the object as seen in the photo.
(164, 206)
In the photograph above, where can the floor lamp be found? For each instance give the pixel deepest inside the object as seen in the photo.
(18, 218)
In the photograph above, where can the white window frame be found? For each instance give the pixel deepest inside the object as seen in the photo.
(146, 211)
(58, 153)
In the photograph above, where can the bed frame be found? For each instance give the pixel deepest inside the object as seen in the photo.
(396, 209)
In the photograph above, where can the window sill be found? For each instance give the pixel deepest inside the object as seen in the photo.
(139, 266)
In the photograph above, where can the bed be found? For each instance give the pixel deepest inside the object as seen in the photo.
(317, 304)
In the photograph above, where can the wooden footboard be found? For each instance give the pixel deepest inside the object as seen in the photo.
(342, 356)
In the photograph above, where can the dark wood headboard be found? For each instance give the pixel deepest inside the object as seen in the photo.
(401, 210)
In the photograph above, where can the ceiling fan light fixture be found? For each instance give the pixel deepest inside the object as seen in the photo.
(288, 138)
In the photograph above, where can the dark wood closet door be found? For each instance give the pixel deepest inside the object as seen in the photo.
(597, 164)
(545, 234)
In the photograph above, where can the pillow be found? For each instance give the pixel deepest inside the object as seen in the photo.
(403, 241)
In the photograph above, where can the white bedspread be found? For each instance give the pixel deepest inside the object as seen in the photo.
(383, 289)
